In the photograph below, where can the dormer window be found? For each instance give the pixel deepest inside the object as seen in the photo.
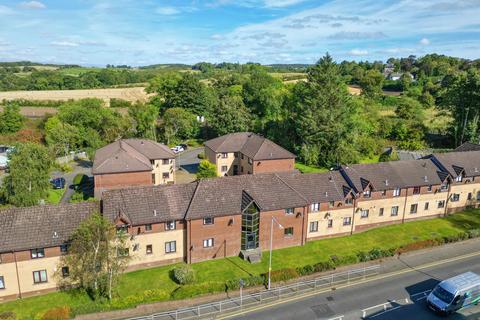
(367, 193)
(208, 220)
(459, 178)
(122, 228)
(396, 192)
(416, 190)
(37, 253)
(315, 207)
(289, 211)
(349, 201)
(170, 225)
(224, 155)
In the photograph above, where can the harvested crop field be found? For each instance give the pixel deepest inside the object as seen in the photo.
(40, 112)
(130, 94)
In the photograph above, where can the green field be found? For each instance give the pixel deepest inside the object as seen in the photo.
(156, 285)
(303, 168)
(55, 195)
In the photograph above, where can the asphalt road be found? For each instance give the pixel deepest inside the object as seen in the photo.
(396, 297)
(80, 166)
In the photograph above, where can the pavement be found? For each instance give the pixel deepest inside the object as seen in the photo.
(78, 166)
(186, 165)
(399, 292)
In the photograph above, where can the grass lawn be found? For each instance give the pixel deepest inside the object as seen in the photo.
(54, 195)
(373, 159)
(303, 168)
(213, 272)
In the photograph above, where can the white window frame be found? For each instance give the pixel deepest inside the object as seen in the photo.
(330, 223)
(396, 211)
(426, 206)
(381, 211)
(2, 282)
(170, 246)
(224, 155)
(440, 204)
(208, 243)
(224, 168)
(397, 192)
(289, 211)
(206, 223)
(314, 226)
(459, 178)
(37, 253)
(148, 251)
(170, 225)
(315, 207)
(364, 213)
(455, 197)
(413, 208)
(347, 219)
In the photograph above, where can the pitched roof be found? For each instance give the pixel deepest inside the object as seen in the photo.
(250, 144)
(150, 204)
(129, 155)
(318, 187)
(41, 226)
(454, 163)
(468, 146)
(392, 174)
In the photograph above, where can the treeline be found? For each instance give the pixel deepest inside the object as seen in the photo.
(56, 80)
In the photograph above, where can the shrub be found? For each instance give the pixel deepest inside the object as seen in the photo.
(119, 103)
(305, 270)
(184, 274)
(252, 281)
(8, 315)
(341, 261)
(79, 178)
(60, 313)
(324, 266)
(134, 300)
(193, 290)
(473, 233)
(201, 155)
(65, 167)
(281, 275)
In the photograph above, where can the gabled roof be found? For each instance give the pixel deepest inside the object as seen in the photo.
(468, 146)
(318, 187)
(456, 163)
(150, 204)
(392, 174)
(41, 226)
(129, 155)
(252, 145)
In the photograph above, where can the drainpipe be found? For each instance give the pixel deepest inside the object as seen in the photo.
(304, 233)
(405, 205)
(353, 215)
(18, 278)
(448, 199)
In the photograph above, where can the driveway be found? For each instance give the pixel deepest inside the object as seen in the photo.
(188, 160)
(78, 166)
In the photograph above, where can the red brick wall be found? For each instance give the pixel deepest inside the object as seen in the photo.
(296, 220)
(118, 180)
(279, 165)
(226, 232)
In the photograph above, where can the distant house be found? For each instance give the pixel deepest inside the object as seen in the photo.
(132, 162)
(247, 153)
(468, 146)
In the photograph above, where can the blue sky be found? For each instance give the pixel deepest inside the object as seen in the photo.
(137, 32)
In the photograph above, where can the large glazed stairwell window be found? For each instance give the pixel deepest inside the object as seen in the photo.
(250, 223)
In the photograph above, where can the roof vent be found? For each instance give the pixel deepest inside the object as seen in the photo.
(154, 212)
(55, 235)
(425, 179)
(475, 169)
(141, 142)
(271, 154)
(326, 194)
(386, 182)
(424, 164)
(330, 179)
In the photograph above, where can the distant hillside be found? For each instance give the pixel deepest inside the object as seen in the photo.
(30, 64)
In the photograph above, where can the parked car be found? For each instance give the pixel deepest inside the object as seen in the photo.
(184, 146)
(177, 149)
(58, 183)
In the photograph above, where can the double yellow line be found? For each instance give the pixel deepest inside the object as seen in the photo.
(370, 279)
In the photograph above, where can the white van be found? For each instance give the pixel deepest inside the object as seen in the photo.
(455, 293)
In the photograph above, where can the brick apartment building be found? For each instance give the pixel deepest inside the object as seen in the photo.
(217, 218)
(247, 153)
(132, 162)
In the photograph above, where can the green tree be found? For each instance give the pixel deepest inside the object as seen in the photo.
(61, 137)
(371, 83)
(231, 115)
(97, 256)
(144, 120)
(326, 118)
(409, 129)
(206, 169)
(29, 172)
(179, 124)
(10, 119)
(462, 98)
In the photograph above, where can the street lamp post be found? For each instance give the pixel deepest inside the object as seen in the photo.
(271, 243)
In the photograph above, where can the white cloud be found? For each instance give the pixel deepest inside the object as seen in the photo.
(167, 11)
(358, 52)
(424, 42)
(64, 44)
(216, 36)
(281, 3)
(5, 10)
(33, 5)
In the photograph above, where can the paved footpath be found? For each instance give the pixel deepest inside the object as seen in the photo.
(405, 277)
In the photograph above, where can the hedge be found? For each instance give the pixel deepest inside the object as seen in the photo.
(184, 274)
